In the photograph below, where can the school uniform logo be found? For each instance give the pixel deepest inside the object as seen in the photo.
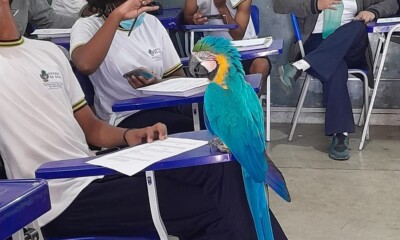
(51, 80)
(44, 76)
(155, 54)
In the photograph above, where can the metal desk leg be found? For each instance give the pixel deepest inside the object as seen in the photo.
(154, 208)
(268, 109)
(196, 120)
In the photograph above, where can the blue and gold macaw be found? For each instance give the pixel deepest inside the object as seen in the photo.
(234, 114)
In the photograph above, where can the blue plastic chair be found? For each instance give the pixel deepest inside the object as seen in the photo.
(255, 17)
(363, 73)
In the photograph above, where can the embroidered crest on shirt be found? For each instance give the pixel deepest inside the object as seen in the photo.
(52, 80)
(44, 76)
(155, 53)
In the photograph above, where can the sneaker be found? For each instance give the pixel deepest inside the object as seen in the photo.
(288, 75)
(339, 149)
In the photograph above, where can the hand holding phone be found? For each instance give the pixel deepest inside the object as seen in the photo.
(139, 77)
(214, 16)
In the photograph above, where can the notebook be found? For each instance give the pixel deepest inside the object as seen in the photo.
(252, 44)
(178, 87)
(52, 33)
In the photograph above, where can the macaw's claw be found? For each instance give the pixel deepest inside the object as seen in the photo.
(219, 145)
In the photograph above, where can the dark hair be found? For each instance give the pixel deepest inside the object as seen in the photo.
(100, 5)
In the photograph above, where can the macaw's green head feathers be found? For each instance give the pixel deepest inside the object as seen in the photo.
(214, 58)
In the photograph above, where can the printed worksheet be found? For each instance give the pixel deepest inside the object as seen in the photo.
(132, 160)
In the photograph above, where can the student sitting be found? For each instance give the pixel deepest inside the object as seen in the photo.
(102, 48)
(45, 118)
(195, 12)
(329, 55)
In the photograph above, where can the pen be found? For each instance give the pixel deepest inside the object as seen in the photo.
(134, 21)
(133, 26)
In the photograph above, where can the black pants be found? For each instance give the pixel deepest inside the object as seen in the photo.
(206, 202)
(175, 121)
(329, 60)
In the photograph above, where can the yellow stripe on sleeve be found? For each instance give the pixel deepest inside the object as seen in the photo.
(171, 70)
(79, 105)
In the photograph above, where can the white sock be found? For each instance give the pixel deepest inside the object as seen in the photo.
(344, 133)
(301, 65)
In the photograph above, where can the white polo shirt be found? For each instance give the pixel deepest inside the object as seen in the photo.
(148, 46)
(208, 7)
(68, 7)
(38, 96)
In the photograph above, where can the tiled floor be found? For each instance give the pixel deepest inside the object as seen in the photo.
(358, 199)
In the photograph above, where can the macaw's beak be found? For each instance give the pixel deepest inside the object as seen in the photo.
(196, 69)
(202, 68)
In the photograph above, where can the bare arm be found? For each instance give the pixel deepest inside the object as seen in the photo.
(100, 133)
(88, 58)
(189, 11)
(8, 28)
(241, 18)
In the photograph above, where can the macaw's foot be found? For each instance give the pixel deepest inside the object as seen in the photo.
(219, 145)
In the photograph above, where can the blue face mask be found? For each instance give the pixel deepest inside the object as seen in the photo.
(127, 24)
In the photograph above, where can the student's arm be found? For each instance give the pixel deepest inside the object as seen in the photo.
(43, 16)
(303, 8)
(191, 13)
(9, 31)
(383, 9)
(101, 134)
(241, 18)
(88, 58)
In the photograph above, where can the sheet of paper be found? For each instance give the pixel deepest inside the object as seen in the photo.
(132, 160)
(253, 42)
(177, 85)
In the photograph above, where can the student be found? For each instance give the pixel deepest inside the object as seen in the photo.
(45, 118)
(39, 14)
(233, 12)
(329, 59)
(102, 49)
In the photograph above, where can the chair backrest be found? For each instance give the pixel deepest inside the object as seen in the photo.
(255, 17)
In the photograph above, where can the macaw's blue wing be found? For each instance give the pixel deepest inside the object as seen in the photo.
(276, 181)
(236, 117)
(207, 122)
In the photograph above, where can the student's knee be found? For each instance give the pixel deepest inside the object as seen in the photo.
(260, 65)
(358, 27)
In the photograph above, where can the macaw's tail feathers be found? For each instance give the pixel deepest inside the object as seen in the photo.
(258, 204)
(276, 181)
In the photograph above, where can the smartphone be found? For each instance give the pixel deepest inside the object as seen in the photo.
(214, 16)
(139, 72)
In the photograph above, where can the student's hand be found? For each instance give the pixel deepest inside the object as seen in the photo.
(198, 18)
(133, 8)
(327, 4)
(139, 81)
(220, 3)
(146, 135)
(365, 16)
